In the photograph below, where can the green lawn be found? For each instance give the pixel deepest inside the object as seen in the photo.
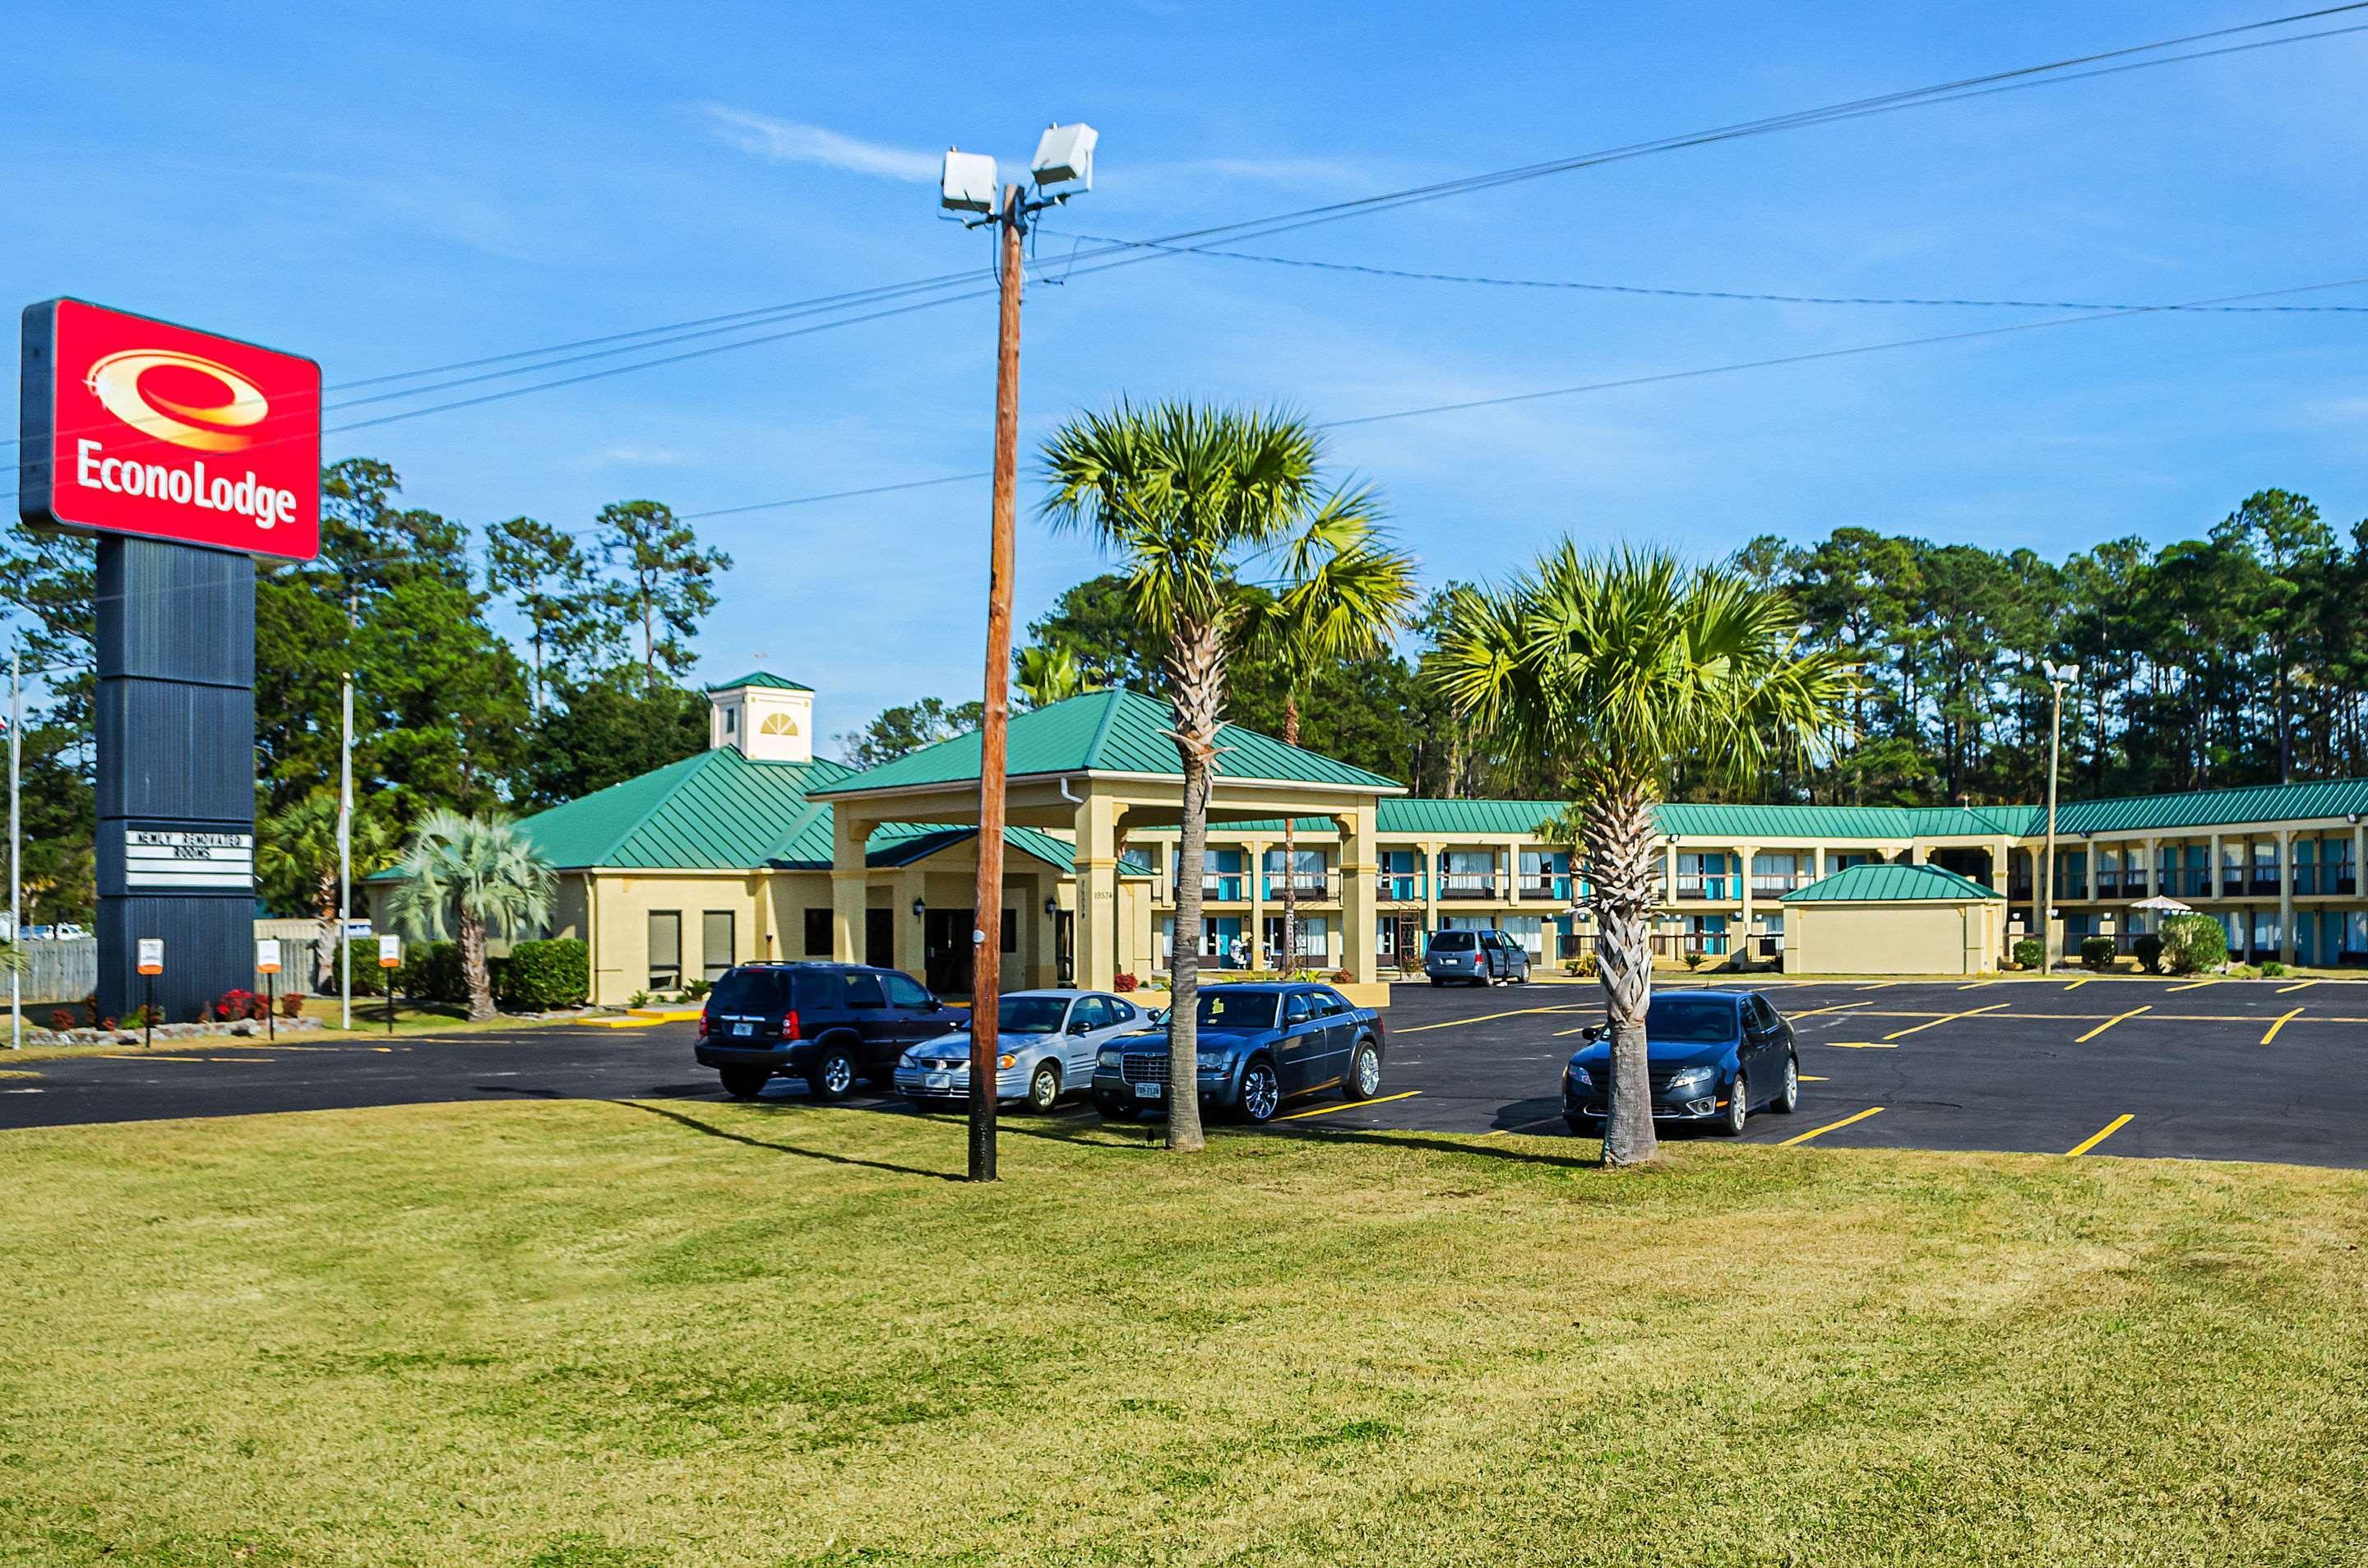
(563, 1333)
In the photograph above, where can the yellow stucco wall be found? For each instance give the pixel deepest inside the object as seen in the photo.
(1874, 938)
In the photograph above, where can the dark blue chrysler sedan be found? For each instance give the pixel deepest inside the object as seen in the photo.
(1260, 1045)
(1711, 1055)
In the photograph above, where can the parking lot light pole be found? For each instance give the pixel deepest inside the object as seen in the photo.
(1064, 158)
(2058, 676)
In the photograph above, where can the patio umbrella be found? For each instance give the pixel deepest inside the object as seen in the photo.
(2168, 906)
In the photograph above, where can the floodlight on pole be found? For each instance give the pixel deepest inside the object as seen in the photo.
(1063, 167)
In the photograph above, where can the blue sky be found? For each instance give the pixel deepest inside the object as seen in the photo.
(388, 189)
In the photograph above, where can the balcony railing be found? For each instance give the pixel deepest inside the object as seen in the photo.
(1715, 889)
(1468, 884)
(1302, 884)
(1224, 888)
(1401, 887)
(1546, 887)
(1777, 882)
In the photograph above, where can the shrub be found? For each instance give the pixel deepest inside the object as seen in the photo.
(1124, 982)
(638, 999)
(2148, 948)
(1585, 966)
(146, 1014)
(2271, 969)
(2097, 952)
(1695, 958)
(2030, 953)
(239, 1003)
(292, 1005)
(2193, 942)
(90, 1005)
(541, 976)
(61, 1019)
(1341, 977)
(363, 954)
(697, 990)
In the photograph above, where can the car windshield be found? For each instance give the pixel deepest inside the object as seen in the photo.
(747, 991)
(1238, 1009)
(1689, 1020)
(1452, 941)
(1031, 1015)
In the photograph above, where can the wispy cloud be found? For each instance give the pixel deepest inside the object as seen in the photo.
(788, 141)
(639, 455)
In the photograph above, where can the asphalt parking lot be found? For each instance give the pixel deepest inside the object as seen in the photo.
(2224, 1070)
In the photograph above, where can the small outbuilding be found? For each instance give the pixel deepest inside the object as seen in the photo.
(1890, 919)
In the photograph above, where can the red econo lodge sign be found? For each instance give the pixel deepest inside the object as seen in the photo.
(137, 427)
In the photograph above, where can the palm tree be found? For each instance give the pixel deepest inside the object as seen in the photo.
(1344, 593)
(1049, 673)
(1188, 498)
(1610, 671)
(296, 860)
(471, 877)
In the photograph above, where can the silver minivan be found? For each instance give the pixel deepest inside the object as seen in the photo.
(1476, 958)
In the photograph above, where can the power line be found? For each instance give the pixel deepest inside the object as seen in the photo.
(1377, 271)
(1814, 356)
(1974, 87)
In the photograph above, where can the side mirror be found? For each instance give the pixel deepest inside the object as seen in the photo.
(962, 1022)
(1081, 1027)
(1592, 1033)
(1157, 1016)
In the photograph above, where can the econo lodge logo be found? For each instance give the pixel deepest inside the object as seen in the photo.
(155, 429)
(221, 427)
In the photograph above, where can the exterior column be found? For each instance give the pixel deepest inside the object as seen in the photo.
(1094, 934)
(1359, 841)
(2089, 868)
(1918, 854)
(848, 834)
(2359, 859)
(2153, 883)
(1512, 871)
(1430, 854)
(2285, 895)
(1254, 851)
(2002, 866)
(1749, 853)
(911, 954)
(1669, 871)
(1818, 861)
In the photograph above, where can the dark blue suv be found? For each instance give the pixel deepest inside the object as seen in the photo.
(1260, 1045)
(830, 1024)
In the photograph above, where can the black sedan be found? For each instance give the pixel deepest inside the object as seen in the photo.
(1711, 1055)
(1259, 1045)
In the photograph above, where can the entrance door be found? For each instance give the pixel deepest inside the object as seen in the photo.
(880, 938)
(945, 952)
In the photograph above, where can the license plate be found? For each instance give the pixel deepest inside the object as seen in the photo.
(1149, 1091)
(938, 1080)
(742, 1031)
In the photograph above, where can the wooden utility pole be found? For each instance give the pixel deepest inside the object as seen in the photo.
(986, 935)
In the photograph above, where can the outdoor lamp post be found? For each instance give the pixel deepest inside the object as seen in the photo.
(2058, 677)
(1063, 167)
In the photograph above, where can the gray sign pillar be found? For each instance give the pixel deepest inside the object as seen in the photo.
(176, 772)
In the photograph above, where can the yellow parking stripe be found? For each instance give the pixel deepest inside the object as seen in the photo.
(1350, 1105)
(1949, 1017)
(2282, 1022)
(2108, 1023)
(2098, 1137)
(2079, 982)
(104, 1056)
(1559, 1033)
(1834, 1008)
(2191, 985)
(1879, 986)
(1821, 1132)
(2304, 986)
(1481, 1018)
(1857, 1044)
(1805, 1078)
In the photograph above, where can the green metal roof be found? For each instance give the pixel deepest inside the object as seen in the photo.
(1110, 732)
(720, 811)
(1698, 820)
(761, 677)
(2203, 808)
(1891, 884)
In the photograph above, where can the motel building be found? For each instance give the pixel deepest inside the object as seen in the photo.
(758, 849)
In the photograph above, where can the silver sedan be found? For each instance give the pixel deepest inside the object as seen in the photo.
(1044, 1049)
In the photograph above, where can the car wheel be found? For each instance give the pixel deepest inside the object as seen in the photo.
(1738, 1107)
(743, 1083)
(1261, 1091)
(1435, 981)
(832, 1076)
(1364, 1079)
(1045, 1088)
(1788, 1099)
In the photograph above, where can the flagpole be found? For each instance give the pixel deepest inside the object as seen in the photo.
(16, 875)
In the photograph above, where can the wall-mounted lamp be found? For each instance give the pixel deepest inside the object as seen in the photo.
(1051, 905)
(920, 907)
